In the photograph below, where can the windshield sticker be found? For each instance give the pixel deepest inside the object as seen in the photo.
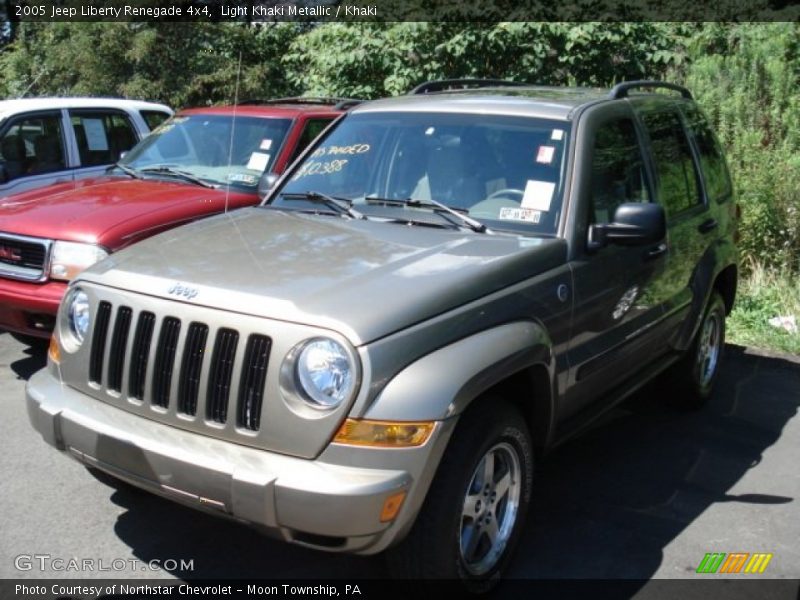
(265, 145)
(528, 215)
(545, 154)
(258, 161)
(338, 150)
(95, 132)
(538, 195)
(319, 168)
(558, 134)
(242, 178)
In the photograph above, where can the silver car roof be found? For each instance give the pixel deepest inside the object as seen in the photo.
(534, 101)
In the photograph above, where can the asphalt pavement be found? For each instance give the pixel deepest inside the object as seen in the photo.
(644, 494)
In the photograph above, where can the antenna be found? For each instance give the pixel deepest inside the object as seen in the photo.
(233, 128)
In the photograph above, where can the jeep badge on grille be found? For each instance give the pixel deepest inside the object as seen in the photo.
(181, 290)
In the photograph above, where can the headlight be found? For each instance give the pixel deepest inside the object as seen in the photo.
(78, 315)
(325, 373)
(70, 258)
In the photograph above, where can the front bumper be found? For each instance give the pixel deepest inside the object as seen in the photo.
(29, 307)
(312, 502)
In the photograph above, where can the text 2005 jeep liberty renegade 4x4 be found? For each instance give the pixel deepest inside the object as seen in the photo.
(442, 286)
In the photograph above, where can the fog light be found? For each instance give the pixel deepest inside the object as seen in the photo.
(392, 506)
(384, 434)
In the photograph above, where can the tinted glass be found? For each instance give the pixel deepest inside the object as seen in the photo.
(618, 173)
(678, 189)
(712, 160)
(33, 145)
(154, 118)
(312, 129)
(212, 148)
(102, 136)
(506, 171)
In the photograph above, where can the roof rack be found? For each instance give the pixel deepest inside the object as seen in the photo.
(621, 89)
(443, 85)
(337, 103)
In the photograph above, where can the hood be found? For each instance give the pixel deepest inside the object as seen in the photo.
(107, 210)
(364, 279)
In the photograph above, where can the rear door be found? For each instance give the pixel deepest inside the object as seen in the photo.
(679, 189)
(33, 151)
(619, 291)
(101, 136)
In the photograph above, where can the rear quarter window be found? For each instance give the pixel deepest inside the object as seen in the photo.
(712, 160)
(153, 118)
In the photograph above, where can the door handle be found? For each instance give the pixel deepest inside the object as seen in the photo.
(656, 251)
(707, 225)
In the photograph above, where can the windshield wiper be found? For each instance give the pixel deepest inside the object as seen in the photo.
(127, 170)
(342, 206)
(437, 206)
(181, 174)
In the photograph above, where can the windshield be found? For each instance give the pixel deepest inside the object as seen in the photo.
(507, 172)
(199, 145)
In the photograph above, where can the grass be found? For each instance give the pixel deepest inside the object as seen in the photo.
(762, 295)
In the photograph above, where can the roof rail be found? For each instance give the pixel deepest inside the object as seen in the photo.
(443, 85)
(621, 89)
(340, 103)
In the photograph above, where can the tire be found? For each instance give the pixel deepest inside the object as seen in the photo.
(442, 543)
(691, 379)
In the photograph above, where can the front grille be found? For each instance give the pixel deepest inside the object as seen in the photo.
(139, 354)
(251, 391)
(99, 342)
(219, 379)
(189, 382)
(22, 257)
(165, 360)
(119, 340)
(164, 349)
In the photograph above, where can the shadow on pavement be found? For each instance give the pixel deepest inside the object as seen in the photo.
(35, 356)
(605, 504)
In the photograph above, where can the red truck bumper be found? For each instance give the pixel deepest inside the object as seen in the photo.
(30, 308)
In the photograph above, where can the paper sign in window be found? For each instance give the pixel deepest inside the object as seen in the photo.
(538, 195)
(96, 139)
(258, 161)
(545, 154)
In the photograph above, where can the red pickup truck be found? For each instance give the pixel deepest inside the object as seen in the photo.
(201, 162)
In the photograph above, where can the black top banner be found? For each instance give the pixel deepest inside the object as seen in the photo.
(266, 11)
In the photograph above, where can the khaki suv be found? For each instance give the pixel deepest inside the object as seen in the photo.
(442, 287)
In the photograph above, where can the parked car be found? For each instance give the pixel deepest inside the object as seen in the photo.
(445, 286)
(58, 140)
(201, 162)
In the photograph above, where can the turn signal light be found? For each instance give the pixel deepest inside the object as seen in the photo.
(392, 506)
(54, 351)
(384, 434)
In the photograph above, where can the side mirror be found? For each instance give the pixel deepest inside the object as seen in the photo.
(3, 174)
(266, 182)
(634, 224)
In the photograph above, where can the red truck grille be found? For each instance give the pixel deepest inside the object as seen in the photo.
(23, 257)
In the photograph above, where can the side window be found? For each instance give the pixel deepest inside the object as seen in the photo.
(33, 145)
(102, 136)
(153, 118)
(618, 173)
(712, 160)
(312, 129)
(678, 187)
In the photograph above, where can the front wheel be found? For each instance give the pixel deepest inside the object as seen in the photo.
(475, 509)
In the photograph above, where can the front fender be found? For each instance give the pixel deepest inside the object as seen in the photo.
(443, 383)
